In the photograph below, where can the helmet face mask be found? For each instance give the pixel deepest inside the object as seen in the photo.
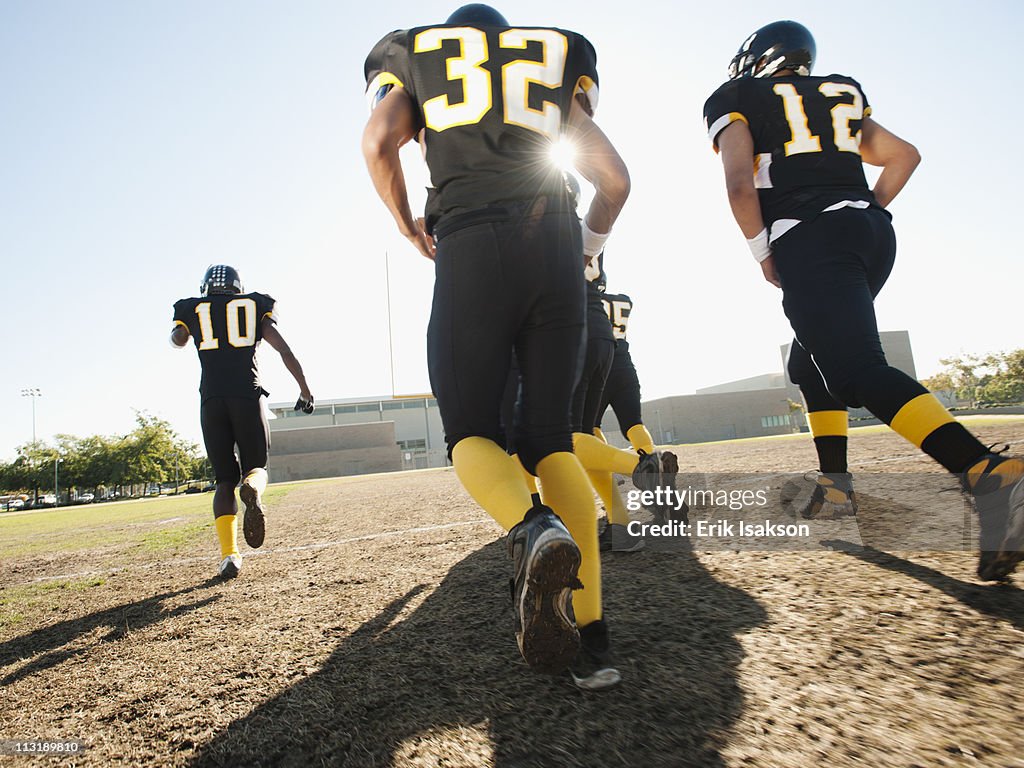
(220, 278)
(773, 48)
(477, 14)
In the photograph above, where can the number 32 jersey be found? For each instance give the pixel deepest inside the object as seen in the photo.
(806, 133)
(226, 329)
(491, 101)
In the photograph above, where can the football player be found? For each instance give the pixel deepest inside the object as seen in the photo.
(487, 101)
(622, 393)
(227, 326)
(793, 147)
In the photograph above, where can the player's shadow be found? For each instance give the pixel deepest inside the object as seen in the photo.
(57, 643)
(1001, 601)
(446, 686)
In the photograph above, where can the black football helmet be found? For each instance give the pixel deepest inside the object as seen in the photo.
(220, 278)
(779, 45)
(477, 14)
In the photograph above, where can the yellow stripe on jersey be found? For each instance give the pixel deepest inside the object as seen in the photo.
(382, 79)
(828, 423)
(920, 417)
(588, 87)
(721, 124)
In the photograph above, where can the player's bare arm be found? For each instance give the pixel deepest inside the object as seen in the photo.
(179, 336)
(391, 125)
(898, 159)
(737, 149)
(274, 338)
(600, 164)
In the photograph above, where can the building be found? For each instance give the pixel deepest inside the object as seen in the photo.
(355, 436)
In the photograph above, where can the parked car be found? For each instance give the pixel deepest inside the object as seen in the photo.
(13, 504)
(85, 498)
(46, 500)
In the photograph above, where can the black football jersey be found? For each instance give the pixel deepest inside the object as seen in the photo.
(618, 307)
(806, 133)
(491, 101)
(226, 329)
(598, 326)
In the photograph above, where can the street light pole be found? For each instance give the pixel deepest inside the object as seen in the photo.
(32, 392)
(56, 493)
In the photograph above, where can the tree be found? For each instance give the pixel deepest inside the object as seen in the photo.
(995, 378)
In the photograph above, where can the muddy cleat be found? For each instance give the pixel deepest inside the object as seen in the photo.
(253, 524)
(648, 477)
(832, 496)
(230, 566)
(545, 564)
(617, 538)
(593, 669)
(997, 486)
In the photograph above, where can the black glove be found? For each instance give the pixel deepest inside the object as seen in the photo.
(306, 406)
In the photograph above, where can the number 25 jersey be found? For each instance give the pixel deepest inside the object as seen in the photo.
(226, 329)
(806, 133)
(491, 101)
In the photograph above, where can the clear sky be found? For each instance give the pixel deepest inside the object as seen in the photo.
(141, 141)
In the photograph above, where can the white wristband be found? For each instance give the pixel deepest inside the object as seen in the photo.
(593, 242)
(759, 247)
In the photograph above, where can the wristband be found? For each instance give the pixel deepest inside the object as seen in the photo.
(758, 245)
(593, 242)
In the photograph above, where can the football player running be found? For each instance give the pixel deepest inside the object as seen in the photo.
(227, 326)
(793, 147)
(487, 100)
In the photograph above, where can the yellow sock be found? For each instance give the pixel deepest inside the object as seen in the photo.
(920, 417)
(531, 481)
(640, 438)
(595, 455)
(257, 478)
(602, 483)
(227, 534)
(493, 478)
(569, 494)
(617, 515)
(828, 423)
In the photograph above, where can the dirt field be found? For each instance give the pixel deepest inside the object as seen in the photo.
(374, 629)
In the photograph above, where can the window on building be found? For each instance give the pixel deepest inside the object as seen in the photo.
(344, 409)
(775, 421)
(393, 405)
(367, 407)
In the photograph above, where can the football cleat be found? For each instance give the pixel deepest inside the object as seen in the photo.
(593, 669)
(997, 486)
(656, 472)
(254, 523)
(616, 538)
(832, 496)
(230, 566)
(545, 567)
(774, 47)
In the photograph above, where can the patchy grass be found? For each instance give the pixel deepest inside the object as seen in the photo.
(159, 523)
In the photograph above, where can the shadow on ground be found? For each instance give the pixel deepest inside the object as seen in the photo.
(56, 643)
(1000, 601)
(445, 685)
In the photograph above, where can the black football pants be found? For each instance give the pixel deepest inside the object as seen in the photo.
(231, 421)
(622, 391)
(831, 268)
(509, 285)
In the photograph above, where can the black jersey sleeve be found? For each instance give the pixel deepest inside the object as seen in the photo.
(722, 109)
(184, 313)
(266, 307)
(388, 66)
(583, 69)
